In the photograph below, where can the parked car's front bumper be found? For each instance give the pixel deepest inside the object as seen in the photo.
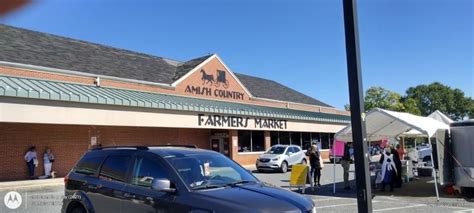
(268, 165)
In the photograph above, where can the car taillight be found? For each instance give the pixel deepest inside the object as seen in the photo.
(66, 179)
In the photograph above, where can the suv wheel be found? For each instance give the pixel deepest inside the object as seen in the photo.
(284, 167)
(78, 210)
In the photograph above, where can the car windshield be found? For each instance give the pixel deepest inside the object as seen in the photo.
(276, 150)
(209, 170)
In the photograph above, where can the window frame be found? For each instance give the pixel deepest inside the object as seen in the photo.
(97, 171)
(127, 171)
(151, 159)
(251, 142)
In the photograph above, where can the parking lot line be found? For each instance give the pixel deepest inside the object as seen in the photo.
(464, 211)
(339, 205)
(327, 198)
(397, 208)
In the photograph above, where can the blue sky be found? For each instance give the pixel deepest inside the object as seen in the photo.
(299, 44)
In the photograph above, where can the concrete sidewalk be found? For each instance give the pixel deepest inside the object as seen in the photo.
(31, 184)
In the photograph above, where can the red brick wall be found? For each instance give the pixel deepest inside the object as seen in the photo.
(69, 142)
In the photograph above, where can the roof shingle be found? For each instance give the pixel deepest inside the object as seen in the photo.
(41, 49)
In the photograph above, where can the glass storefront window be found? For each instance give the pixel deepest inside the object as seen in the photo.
(331, 139)
(325, 141)
(244, 141)
(295, 138)
(316, 137)
(285, 138)
(274, 138)
(306, 140)
(251, 141)
(258, 141)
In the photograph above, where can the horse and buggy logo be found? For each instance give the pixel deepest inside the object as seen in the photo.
(220, 79)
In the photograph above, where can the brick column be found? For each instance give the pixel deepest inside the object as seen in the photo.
(268, 142)
(233, 146)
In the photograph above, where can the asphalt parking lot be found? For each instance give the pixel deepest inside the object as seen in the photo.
(417, 196)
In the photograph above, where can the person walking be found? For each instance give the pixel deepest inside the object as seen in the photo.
(48, 159)
(315, 164)
(389, 169)
(31, 161)
(346, 163)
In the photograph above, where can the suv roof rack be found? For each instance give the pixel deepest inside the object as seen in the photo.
(121, 147)
(145, 147)
(177, 145)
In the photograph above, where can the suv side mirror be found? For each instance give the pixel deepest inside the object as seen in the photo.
(162, 185)
(289, 153)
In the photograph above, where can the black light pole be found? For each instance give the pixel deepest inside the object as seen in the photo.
(364, 195)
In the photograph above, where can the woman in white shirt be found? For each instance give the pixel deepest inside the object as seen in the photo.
(31, 161)
(48, 159)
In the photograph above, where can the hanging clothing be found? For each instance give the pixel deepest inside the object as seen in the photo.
(389, 169)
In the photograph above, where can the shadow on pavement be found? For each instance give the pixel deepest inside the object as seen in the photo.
(420, 188)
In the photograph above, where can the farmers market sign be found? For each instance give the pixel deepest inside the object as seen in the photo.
(240, 122)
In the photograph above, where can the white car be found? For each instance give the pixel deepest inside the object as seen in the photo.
(424, 154)
(280, 157)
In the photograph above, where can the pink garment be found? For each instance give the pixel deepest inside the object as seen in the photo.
(338, 148)
(384, 143)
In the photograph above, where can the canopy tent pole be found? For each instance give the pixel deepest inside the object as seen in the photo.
(333, 168)
(433, 169)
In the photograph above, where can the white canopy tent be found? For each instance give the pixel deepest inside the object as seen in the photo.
(437, 115)
(380, 124)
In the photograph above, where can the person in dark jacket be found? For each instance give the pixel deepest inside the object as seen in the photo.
(314, 162)
(398, 163)
(346, 163)
(31, 161)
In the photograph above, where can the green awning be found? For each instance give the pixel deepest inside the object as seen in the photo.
(72, 92)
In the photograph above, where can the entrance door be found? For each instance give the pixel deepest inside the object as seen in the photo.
(220, 144)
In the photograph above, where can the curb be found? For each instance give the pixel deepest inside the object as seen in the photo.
(31, 184)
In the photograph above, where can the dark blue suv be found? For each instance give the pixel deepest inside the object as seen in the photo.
(170, 179)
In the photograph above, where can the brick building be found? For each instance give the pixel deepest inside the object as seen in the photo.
(68, 95)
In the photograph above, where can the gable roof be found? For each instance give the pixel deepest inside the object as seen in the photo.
(41, 49)
(264, 88)
(187, 66)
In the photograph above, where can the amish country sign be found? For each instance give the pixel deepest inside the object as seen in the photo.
(220, 80)
(240, 122)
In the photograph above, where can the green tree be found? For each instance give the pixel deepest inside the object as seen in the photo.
(378, 97)
(347, 107)
(411, 106)
(436, 96)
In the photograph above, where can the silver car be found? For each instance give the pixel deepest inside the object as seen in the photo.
(280, 157)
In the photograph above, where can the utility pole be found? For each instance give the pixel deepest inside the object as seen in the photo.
(362, 176)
